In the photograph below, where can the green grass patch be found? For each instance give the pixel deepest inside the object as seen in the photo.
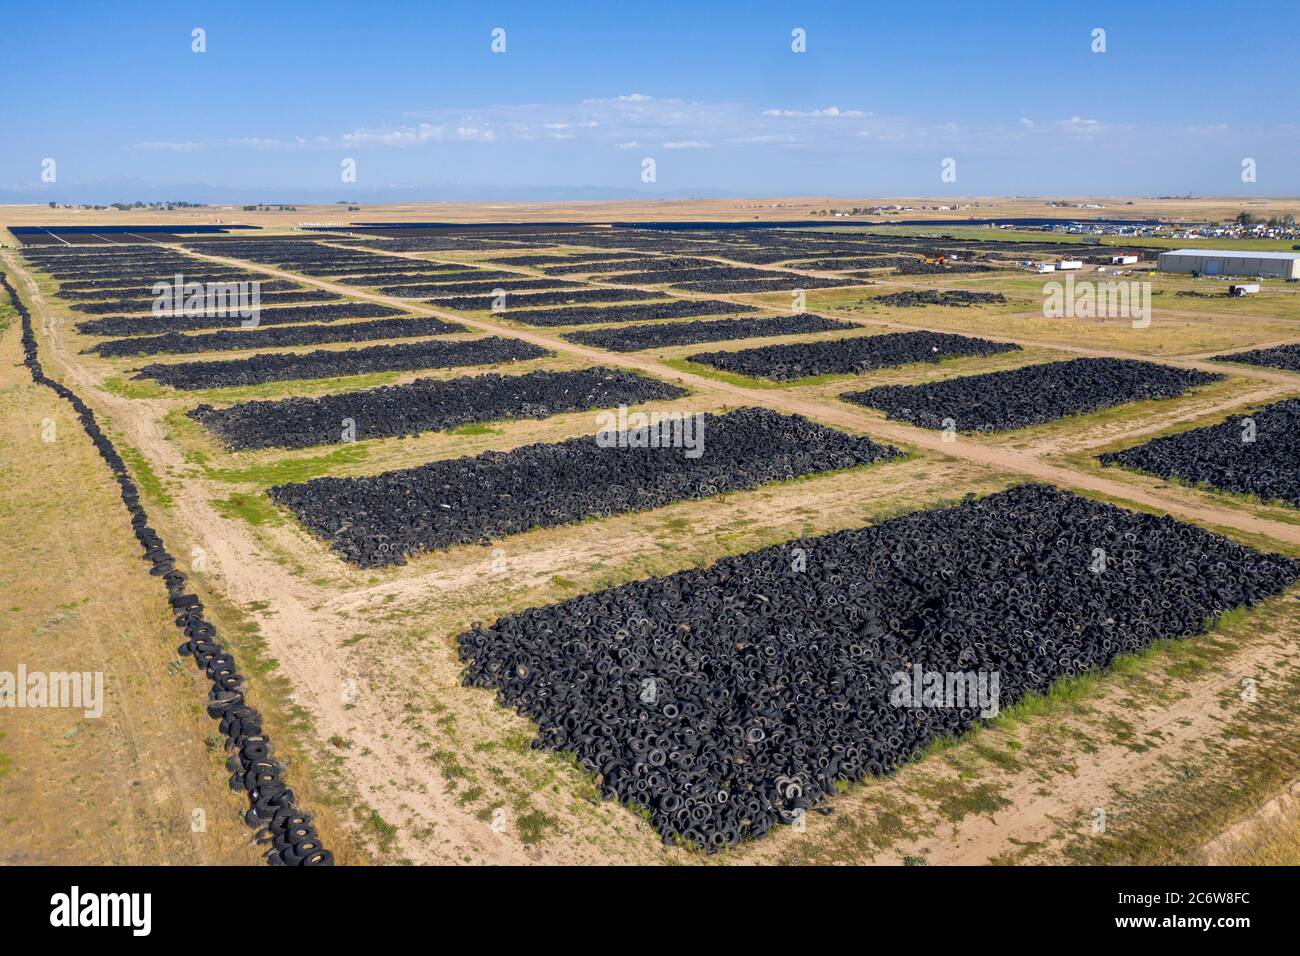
(117, 385)
(289, 470)
(150, 484)
(473, 428)
(255, 508)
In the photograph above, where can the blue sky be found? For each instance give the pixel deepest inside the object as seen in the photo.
(586, 92)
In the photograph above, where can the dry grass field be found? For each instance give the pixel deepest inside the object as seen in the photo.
(356, 669)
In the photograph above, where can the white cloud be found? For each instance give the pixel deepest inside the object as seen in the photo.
(829, 111)
(186, 147)
(686, 144)
(1079, 126)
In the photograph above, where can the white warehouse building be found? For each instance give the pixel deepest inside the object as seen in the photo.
(1221, 262)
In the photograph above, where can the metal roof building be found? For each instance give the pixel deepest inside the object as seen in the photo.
(1226, 262)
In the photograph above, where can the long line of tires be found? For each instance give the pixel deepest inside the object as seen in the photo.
(273, 810)
(1032, 395)
(852, 356)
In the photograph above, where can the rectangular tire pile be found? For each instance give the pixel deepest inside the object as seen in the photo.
(782, 284)
(1256, 454)
(427, 405)
(174, 343)
(528, 300)
(154, 324)
(380, 519)
(729, 699)
(946, 297)
(1285, 357)
(273, 809)
(1032, 395)
(331, 363)
(849, 356)
(435, 274)
(643, 264)
(578, 258)
(633, 338)
(266, 300)
(919, 267)
(514, 284)
(676, 309)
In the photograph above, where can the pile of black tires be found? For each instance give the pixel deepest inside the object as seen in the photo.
(528, 300)
(632, 338)
(553, 259)
(275, 336)
(849, 356)
(1254, 454)
(300, 315)
(912, 298)
(515, 283)
(380, 519)
(427, 405)
(919, 267)
(676, 309)
(331, 363)
(273, 809)
(645, 265)
(782, 283)
(1285, 357)
(1030, 396)
(729, 699)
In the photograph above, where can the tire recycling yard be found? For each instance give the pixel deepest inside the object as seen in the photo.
(635, 543)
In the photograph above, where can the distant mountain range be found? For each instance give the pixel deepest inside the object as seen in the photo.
(128, 191)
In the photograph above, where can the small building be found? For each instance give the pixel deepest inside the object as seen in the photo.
(1223, 262)
(1243, 288)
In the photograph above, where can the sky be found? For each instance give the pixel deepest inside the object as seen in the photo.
(1016, 95)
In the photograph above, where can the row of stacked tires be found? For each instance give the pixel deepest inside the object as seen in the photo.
(633, 338)
(1033, 395)
(377, 520)
(1285, 357)
(153, 324)
(912, 298)
(125, 288)
(578, 258)
(275, 336)
(675, 309)
(727, 700)
(273, 811)
(1253, 454)
(761, 283)
(709, 271)
(432, 273)
(332, 363)
(528, 300)
(515, 283)
(851, 356)
(138, 304)
(425, 405)
(919, 267)
(648, 266)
